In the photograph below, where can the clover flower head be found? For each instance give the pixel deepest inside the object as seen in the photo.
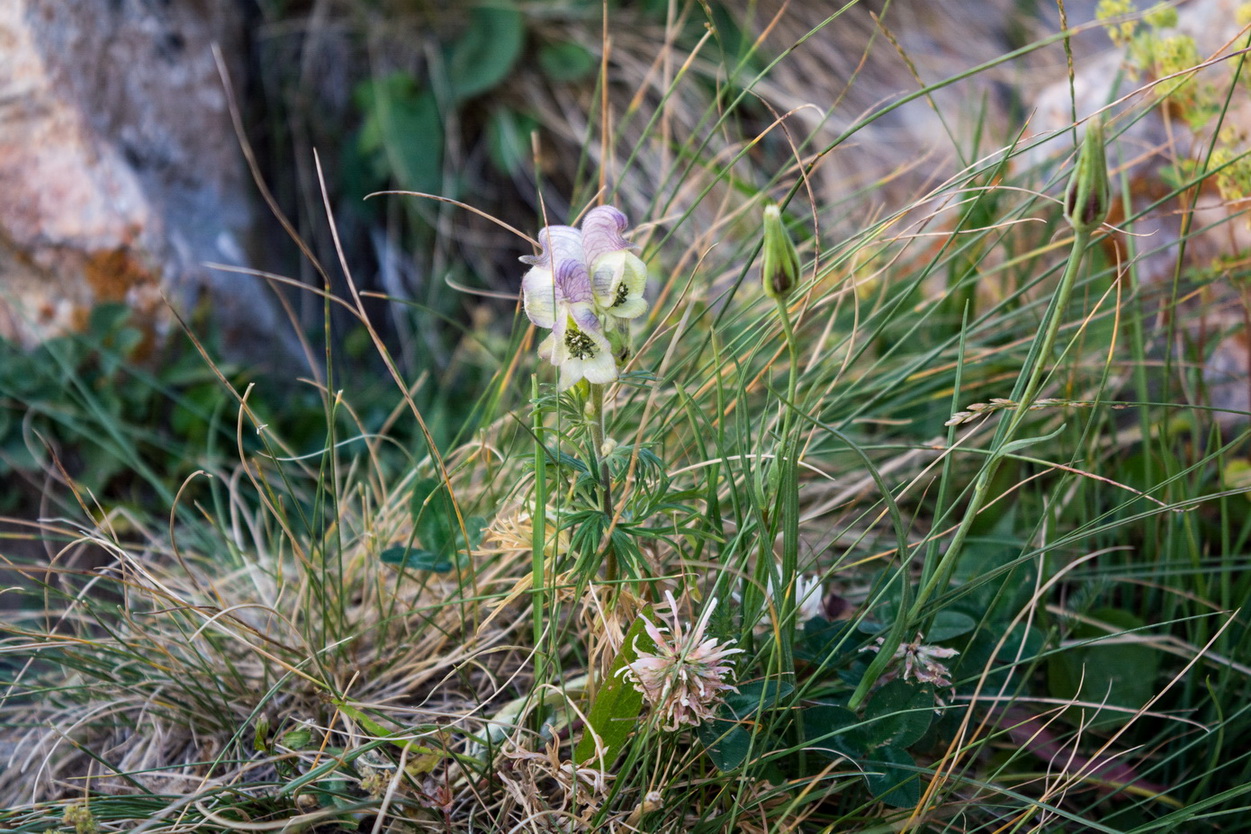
(580, 286)
(810, 596)
(684, 676)
(921, 662)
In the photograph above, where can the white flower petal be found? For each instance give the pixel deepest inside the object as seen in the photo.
(539, 296)
(600, 368)
(559, 243)
(582, 351)
(570, 373)
(607, 275)
(619, 281)
(630, 308)
(601, 233)
(584, 318)
(549, 349)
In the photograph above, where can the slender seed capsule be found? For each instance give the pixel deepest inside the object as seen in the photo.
(1088, 197)
(779, 269)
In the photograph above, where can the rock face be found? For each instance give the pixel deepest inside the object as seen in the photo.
(120, 172)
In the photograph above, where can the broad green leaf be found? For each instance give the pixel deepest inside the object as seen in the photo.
(822, 642)
(615, 712)
(892, 777)
(726, 742)
(485, 52)
(442, 544)
(297, 739)
(1118, 674)
(414, 558)
(898, 714)
(508, 139)
(948, 624)
(756, 696)
(834, 731)
(433, 516)
(566, 61)
(402, 134)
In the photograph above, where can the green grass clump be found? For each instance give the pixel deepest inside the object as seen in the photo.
(939, 526)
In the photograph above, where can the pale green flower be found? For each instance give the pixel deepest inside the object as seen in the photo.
(618, 276)
(1088, 198)
(581, 351)
(582, 282)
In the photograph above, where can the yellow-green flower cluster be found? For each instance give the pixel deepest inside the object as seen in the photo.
(1177, 54)
(1153, 49)
(1161, 16)
(1233, 177)
(1122, 31)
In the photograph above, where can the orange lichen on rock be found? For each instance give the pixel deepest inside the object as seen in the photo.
(113, 274)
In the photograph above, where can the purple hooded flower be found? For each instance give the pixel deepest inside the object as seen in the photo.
(580, 280)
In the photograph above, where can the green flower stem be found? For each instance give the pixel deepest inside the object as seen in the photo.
(1036, 360)
(538, 545)
(788, 500)
(1023, 394)
(600, 466)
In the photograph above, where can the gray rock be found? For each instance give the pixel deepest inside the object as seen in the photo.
(120, 170)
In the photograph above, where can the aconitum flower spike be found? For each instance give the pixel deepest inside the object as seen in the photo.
(580, 285)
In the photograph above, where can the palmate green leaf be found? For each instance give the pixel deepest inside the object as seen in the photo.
(834, 731)
(757, 696)
(614, 714)
(949, 624)
(823, 644)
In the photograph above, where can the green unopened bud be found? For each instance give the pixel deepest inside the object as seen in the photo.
(1088, 198)
(779, 269)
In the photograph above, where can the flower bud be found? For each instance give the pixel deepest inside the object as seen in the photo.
(779, 269)
(1088, 198)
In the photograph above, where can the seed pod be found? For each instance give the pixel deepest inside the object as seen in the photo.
(1088, 197)
(779, 268)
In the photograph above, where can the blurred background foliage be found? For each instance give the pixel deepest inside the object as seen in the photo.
(497, 104)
